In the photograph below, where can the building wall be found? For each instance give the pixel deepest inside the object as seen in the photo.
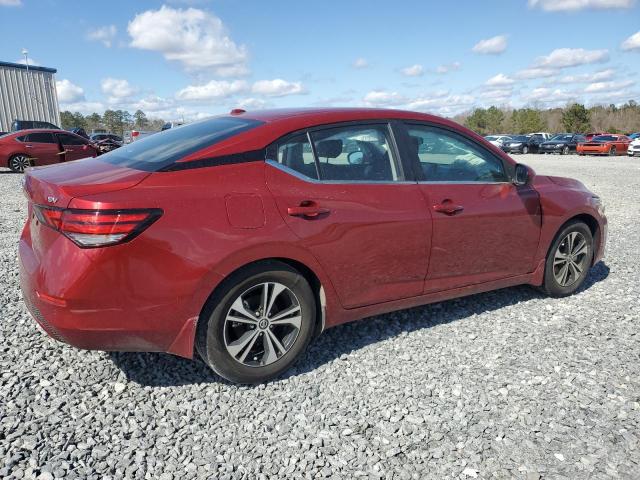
(27, 95)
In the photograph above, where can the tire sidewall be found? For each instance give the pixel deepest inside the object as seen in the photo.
(211, 344)
(12, 167)
(551, 286)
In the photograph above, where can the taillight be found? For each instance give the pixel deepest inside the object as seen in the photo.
(97, 228)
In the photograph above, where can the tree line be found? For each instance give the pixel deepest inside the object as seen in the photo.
(572, 118)
(115, 121)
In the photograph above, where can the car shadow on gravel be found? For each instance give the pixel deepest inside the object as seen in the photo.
(162, 370)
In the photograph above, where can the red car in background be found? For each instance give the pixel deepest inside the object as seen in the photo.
(607, 144)
(25, 148)
(241, 237)
(589, 136)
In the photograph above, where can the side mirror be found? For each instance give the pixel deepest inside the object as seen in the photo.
(523, 175)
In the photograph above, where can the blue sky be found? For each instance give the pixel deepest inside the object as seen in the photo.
(195, 58)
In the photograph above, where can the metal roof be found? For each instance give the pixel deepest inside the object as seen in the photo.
(24, 67)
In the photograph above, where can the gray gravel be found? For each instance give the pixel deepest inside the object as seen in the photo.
(507, 384)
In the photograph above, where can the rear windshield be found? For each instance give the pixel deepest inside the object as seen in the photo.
(162, 149)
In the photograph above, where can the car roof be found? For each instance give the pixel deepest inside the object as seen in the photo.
(330, 115)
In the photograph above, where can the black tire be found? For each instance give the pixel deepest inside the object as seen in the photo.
(211, 342)
(612, 151)
(565, 150)
(19, 163)
(551, 286)
(525, 150)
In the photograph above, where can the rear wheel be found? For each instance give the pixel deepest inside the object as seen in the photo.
(19, 163)
(257, 326)
(525, 150)
(612, 151)
(569, 260)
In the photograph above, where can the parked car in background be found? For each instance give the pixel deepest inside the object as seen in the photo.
(138, 135)
(170, 125)
(497, 140)
(17, 125)
(633, 136)
(106, 142)
(79, 131)
(605, 145)
(242, 237)
(589, 136)
(544, 135)
(26, 148)
(634, 147)
(562, 143)
(523, 144)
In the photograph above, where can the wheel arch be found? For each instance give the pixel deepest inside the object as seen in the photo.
(587, 219)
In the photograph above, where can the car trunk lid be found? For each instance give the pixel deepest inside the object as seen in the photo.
(57, 185)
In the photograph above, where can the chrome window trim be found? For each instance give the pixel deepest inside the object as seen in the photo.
(465, 182)
(304, 178)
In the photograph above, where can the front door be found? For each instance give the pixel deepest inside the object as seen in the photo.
(342, 191)
(75, 147)
(484, 227)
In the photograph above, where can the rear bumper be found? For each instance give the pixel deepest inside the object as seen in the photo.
(77, 301)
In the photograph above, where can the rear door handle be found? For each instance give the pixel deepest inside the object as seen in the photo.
(307, 209)
(448, 207)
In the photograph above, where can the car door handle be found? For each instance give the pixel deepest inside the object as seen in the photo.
(448, 207)
(28, 146)
(307, 209)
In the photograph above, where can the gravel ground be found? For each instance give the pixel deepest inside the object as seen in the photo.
(507, 384)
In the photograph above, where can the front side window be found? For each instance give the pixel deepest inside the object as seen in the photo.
(355, 153)
(448, 157)
(70, 139)
(296, 154)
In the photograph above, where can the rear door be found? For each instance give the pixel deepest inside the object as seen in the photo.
(484, 227)
(42, 147)
(75, 147)
(344, 193)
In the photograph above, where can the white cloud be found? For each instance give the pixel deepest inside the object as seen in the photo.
(85, 108)
(632, 43)
(574, 5)
(588, 77)
(382, 98)
(531, 73)
(32, 63)
(360, 63)
(196, 39)
(598, 87)
(548, 95)
(69, 92)
(440, 104)
(213, 90)
(571, 57)
(117, 89)
(448, 67)
(499, 80)
(10, 3)
(252, 103)
(277, 88)
(413, 71)
(493, 46)
(104, 34)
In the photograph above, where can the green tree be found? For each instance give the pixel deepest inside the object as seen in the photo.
(140, 120)
(67, 119)
(576, 118)
(79, 120)
(527, 120)
(494, 118)
(477, 121)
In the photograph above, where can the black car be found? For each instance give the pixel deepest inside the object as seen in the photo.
(29, 124)
(105, 142)
(563, 143)
(79, 131)
(523, 144)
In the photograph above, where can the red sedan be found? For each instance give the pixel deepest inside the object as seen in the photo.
(241, 237)
(24, 148)
(606, 144)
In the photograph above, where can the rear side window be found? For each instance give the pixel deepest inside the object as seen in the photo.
(296, 154)
(41, 137)
(160, 150)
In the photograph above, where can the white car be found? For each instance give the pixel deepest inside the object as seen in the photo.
(634, 148)
(546, 136)
(497, 140)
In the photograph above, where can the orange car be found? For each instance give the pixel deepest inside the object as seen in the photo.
(607, 144)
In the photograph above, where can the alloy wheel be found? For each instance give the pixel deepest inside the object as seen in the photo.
(612, 152)
(570, 259)
(20, 163)
(262, 324)
(565, 151)
(525, 150)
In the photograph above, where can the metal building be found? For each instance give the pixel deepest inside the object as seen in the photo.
(27, 93)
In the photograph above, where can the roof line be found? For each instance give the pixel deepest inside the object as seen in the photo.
(24, 67)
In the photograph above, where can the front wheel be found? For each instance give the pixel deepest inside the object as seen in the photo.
(569, 260)
(565, 151)
(612, 151)
(257, 326)
(525, 150)
(19, 163)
